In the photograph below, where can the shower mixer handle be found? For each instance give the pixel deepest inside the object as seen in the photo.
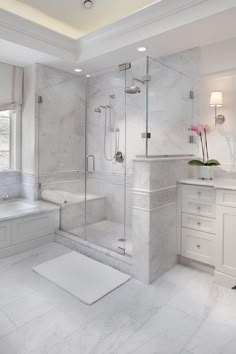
(87, 161)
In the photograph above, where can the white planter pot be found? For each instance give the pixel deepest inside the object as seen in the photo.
(206, 172)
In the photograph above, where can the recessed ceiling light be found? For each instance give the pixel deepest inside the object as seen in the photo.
(78, 70)
(88, 4)
(142, 49)
(87, 75)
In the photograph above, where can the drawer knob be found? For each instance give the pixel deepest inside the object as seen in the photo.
(199, 223)
(198, 246)
(198, 208)
(199, 193)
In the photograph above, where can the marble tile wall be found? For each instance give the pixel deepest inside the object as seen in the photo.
(171, 110)
(155, 215)
(10, 183)
(29, 186)
(114, 180)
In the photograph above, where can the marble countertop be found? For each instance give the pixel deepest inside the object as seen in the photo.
(218, 183)
(162, 158)
(15, 208)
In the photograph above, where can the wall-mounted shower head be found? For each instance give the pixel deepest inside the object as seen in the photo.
(98, 110)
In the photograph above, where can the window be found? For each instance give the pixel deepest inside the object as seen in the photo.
(11, 93)
(8, 140)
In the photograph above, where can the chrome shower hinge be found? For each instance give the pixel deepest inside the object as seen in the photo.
(146, 135)
(125, 66)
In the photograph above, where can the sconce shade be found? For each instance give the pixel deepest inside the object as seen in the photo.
(216, 99)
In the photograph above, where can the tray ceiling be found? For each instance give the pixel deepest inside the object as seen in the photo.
(70, 17)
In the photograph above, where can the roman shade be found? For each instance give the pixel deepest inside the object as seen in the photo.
(11, 79)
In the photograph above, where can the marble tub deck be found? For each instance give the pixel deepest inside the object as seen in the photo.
(183, 312)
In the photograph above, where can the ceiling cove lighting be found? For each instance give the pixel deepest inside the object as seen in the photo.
(77, 70)
(142, 49)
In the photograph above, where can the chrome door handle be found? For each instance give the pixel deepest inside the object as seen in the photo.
(87, 160)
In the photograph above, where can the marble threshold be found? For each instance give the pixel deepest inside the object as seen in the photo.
(124, 258)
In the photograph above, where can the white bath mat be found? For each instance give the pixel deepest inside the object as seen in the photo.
(86, 279)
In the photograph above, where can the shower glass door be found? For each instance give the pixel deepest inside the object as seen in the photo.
(61, 145)
(106, 160)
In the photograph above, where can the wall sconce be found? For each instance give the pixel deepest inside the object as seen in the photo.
(217, 101)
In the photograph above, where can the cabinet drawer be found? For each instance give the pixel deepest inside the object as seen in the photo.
(200, 223)
(199, 208)
(200, 193)
(5, 234)
(226, 197)
(201, 248)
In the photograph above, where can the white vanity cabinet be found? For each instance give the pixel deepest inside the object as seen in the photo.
(197, 223)
(207, 226)
(226, 236)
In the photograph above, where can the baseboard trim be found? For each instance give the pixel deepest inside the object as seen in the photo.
(25, 246)
(196, 265)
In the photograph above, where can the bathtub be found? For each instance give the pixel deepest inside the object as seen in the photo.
(72, 206)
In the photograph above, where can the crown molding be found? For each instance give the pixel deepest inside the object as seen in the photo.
(149, 23)
(29, 34)
(152, 21)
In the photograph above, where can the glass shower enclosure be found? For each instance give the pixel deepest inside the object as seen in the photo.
(89, 132)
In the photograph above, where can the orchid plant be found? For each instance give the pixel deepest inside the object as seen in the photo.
(202, 131)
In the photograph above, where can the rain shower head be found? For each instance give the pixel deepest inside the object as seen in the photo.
(132, 89)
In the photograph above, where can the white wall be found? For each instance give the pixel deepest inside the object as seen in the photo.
(218, 73)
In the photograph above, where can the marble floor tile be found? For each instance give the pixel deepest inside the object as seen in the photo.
(42, 333)
(26, 308)
(138, 300)
(199, 298)
(166, 332)
(6, 326)
(103, 335)
(213, 339)
(183, 312)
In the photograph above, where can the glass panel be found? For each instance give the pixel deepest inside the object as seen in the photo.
(5, 140)
(135, 142)
(61, 145)
(106, 138)
(170, 110)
